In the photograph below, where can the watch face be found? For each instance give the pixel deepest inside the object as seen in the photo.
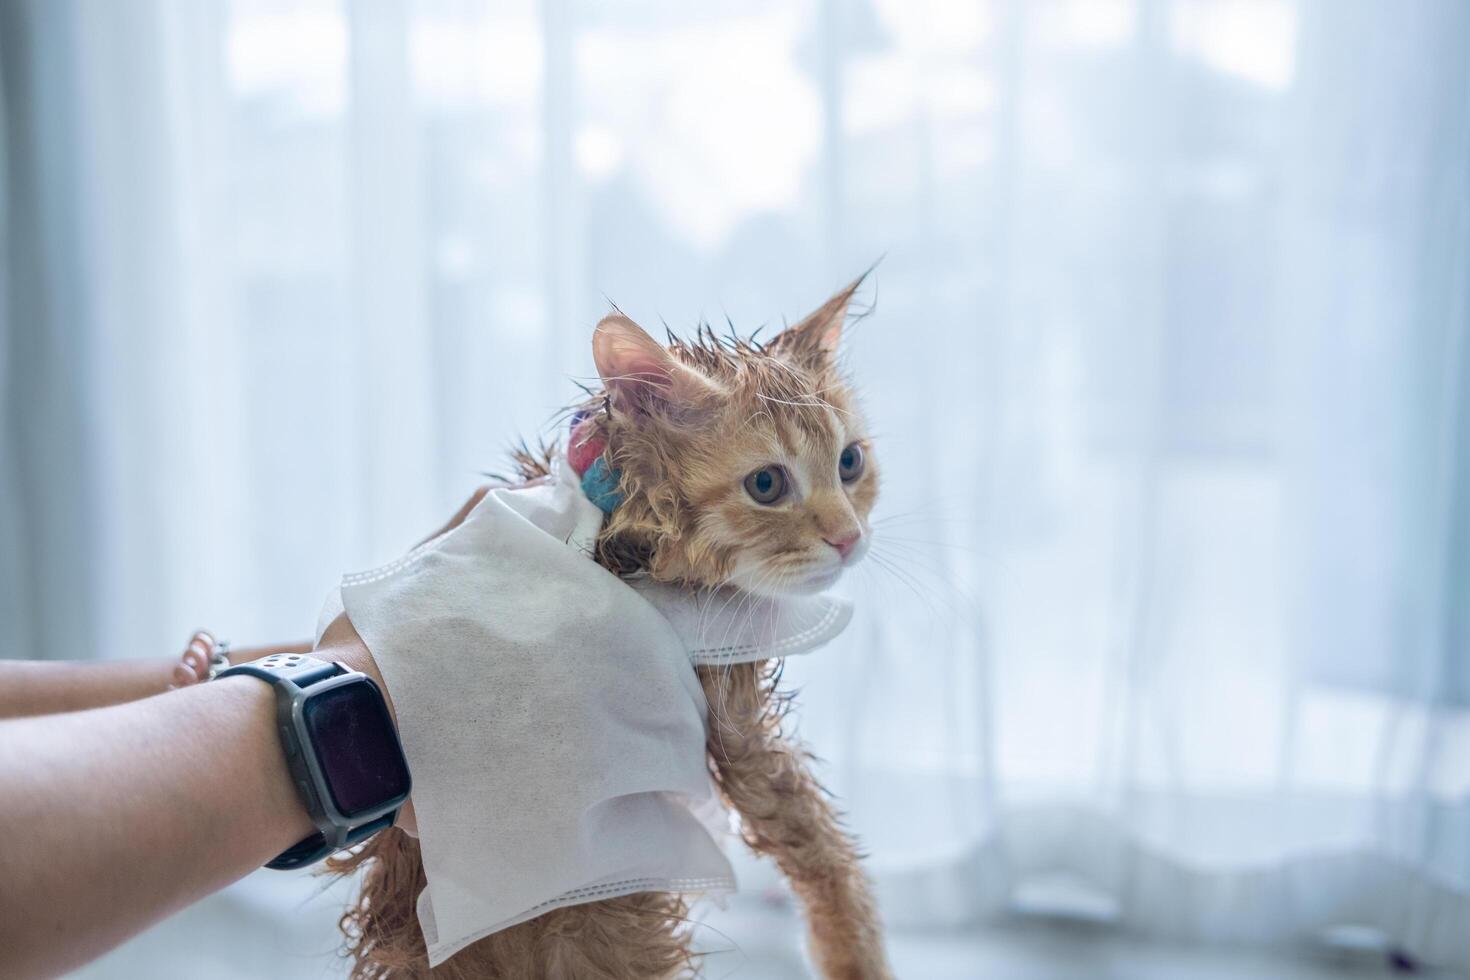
(356, 747)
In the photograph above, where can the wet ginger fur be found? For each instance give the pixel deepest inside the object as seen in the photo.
(689, 425)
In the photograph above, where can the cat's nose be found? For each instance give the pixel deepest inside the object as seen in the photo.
(845, 543)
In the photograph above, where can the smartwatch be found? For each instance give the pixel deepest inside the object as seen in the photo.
(341, 749)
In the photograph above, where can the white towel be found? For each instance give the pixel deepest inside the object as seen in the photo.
(550, 712)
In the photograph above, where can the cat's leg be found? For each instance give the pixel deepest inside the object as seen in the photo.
(785, 813)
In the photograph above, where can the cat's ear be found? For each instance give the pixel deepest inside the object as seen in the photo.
(639, 373)
(819, 332)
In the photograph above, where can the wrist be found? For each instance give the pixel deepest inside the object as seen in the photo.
(343, 758)
(256, 704)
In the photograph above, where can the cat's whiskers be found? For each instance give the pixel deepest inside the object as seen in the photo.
(904, 578)
(750, 420)
(799, 566)
(921, 544)
(642, 379)
(812, 400)
(929, 583)
(721, 725)
(730, 597)
(920, 547)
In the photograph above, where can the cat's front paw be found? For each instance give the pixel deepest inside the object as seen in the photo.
(859, 971)
(859, 961)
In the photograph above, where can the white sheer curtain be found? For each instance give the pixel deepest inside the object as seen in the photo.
(1169, 365)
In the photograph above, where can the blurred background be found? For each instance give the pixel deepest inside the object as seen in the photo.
(1162, 660)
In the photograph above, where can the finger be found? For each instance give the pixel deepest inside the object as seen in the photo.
(195, 663)
(183, 676)
(197, 657)
(200, 653)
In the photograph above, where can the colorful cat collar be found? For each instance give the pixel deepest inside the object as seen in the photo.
(585, 454)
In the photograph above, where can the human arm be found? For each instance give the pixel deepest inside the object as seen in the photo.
(44, 687)
(115, 817)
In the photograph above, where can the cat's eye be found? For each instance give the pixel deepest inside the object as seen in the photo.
(766, 485)
(850, 463)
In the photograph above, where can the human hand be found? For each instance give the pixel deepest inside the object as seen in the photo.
(195, 661)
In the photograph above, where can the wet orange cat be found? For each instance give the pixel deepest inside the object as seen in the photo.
(738, 463)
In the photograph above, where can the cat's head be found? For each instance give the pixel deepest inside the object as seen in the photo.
(743, 463)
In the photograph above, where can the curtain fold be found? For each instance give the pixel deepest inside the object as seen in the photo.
(1168, 358)
(49, 589)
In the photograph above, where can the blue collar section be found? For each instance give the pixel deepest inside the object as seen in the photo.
(600, 484)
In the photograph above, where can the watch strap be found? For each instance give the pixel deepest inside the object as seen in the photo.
(298, 668)
(312, 849)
